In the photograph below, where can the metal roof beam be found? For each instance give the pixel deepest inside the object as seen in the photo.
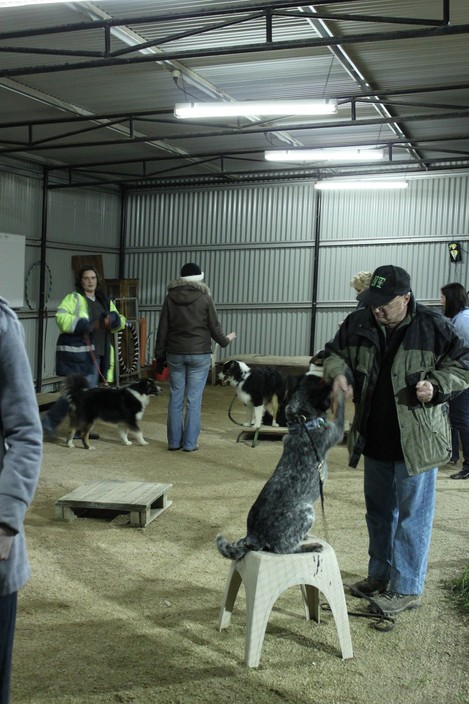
(181, 54)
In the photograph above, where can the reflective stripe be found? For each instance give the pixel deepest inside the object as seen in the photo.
(70, 348)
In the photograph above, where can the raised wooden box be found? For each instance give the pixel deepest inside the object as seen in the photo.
(145, 501)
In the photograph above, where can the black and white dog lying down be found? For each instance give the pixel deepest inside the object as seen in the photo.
(122, 407)
(282, 515)
(261, 389)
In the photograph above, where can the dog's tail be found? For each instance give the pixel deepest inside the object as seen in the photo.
(236, 550)
(73, 388)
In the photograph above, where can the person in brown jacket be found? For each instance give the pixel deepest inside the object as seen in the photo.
(188, 324)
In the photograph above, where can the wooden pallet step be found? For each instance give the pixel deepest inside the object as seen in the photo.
(144, 501)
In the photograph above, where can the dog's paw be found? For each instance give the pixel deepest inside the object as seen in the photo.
(275, 424)
(143, 442)
(312, 547)
(126, 442)
(247, 424)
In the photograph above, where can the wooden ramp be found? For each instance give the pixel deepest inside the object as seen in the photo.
(264, 430)
(144, 501)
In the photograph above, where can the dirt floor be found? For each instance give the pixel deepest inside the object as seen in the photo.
(114, 613)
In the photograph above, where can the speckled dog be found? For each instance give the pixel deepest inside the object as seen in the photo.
(283, 513)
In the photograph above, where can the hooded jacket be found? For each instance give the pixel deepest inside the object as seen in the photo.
(75, 343)
(188, 320)
(20, 446)
(430, 349)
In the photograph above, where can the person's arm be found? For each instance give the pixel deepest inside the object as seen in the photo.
(338, 363)
(162, 332)
(68, 318)
(450, 375)
(21, 430)
(215, 328)
(117, 321)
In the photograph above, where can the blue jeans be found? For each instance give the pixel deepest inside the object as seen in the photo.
(187, 378)
(459, 419)
(59, 410)
(399, 517)
(8, 606)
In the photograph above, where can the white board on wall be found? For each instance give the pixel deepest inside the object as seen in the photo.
(12, 254)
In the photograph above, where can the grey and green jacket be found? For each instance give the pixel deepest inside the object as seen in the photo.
(430, 349)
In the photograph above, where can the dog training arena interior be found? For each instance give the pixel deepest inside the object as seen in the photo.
(94, 164)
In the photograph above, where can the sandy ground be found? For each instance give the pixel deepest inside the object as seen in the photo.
(114, 613)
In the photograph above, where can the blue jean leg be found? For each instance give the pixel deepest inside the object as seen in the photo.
(399, 517)
(8, 605)
(187, 379)
(56, 413)
(459, 419)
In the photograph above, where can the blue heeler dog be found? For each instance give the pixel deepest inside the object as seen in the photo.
(283, 513)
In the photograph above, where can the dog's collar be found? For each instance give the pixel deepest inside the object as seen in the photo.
(295, 428)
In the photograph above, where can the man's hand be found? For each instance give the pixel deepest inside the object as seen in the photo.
(341, 385)
(425, 391)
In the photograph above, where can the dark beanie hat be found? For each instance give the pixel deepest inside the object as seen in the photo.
(192, 272)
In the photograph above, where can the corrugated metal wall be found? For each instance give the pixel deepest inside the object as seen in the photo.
(256, 245)
(79, 222)
(257, 248)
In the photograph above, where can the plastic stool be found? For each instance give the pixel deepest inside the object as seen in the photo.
(266, 575)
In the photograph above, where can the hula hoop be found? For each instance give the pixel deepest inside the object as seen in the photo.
(124, 368)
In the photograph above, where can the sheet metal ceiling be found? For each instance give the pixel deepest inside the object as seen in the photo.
(88, 89)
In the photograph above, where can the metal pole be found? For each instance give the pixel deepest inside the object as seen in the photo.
(314, 301)
(42, 284)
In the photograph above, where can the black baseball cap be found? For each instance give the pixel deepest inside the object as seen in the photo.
(387, 282)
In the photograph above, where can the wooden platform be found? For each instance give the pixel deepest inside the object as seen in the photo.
(266, 430)
(145, 501)
(294, 365)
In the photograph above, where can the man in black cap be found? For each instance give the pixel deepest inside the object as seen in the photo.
(401, 361)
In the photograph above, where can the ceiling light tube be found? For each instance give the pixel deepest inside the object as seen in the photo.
(357, 154)
(333, 185)
(255, 107)
(22, 3)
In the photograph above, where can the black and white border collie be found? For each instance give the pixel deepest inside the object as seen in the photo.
(122, 407)
(261, 389)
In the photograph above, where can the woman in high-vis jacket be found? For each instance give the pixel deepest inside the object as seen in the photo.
(86, 318)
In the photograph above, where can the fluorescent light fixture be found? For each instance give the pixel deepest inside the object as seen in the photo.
(346, 154)
(336, 185)
(256, 107)
(22, 3)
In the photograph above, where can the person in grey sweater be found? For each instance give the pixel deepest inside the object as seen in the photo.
(20, 462)
(187, 325)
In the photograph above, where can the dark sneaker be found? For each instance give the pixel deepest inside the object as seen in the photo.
(49, 432)
(368, 587)
(392, 603)
(462, 474)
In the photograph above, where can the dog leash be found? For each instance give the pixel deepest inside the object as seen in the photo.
(95, 361)
(229, 412)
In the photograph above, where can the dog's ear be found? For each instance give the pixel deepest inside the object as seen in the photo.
(319, 393)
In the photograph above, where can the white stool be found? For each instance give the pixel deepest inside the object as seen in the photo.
(266, 575)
